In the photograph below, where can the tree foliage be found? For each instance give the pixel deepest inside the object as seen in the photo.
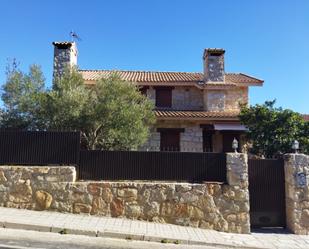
(111, 115)
(121, 113)
(272, 130)
(20, 97)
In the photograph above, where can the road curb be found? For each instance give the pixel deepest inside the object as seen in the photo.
(116, 235)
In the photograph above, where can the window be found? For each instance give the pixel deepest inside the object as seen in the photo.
(208, 131)
(164, 97)
(170, 139)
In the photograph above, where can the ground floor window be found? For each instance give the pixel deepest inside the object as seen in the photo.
(170, 139)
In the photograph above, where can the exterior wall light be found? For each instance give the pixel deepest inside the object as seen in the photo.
(235, 145)
(295, 146)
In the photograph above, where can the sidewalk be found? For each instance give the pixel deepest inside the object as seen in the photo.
(141, 230)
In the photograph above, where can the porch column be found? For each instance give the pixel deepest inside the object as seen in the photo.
(296, 167)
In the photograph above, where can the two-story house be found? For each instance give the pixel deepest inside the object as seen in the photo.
(194, 111)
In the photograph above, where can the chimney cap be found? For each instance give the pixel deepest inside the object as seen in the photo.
(213, 51)
(63, 44)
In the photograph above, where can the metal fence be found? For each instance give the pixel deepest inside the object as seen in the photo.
(64, 148)
(39, 148)
(140, 165)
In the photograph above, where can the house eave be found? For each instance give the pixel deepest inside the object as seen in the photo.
(197, 119)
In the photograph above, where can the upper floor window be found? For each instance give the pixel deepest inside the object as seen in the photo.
(164, 97)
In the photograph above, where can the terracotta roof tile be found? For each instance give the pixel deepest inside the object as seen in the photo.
(241, 78)
(143, 76)
(165, 77)
(194, 114)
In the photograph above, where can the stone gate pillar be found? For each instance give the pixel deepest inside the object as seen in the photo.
(237, 179)
(296, 167)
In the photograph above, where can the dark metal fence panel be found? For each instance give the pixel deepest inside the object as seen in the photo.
(39, 147)
(267, 192)
(141, 165)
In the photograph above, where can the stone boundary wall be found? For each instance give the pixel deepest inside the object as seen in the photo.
(218, 206)
(296, 168)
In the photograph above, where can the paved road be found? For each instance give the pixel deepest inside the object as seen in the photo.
(21, 239)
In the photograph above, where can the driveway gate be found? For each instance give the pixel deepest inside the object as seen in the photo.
(267, 193)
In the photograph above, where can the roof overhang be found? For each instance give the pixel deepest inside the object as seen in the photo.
(250, 84)
(198, 116)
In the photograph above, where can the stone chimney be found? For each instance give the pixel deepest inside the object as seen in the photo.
(214, 65)
(65, 56)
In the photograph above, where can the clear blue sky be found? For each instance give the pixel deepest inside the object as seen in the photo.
(268, 39)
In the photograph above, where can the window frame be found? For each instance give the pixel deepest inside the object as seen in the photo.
(164, 101)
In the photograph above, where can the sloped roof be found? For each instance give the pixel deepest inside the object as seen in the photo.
(165, 77)
(242, 78)
(143, 76)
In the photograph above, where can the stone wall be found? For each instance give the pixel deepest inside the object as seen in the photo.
(223, 207)
(153, 142)
(234, 97)
(225, 100)
(296, 168)
(187, 98)
(183, 98)
(192, 98)
(192, 139)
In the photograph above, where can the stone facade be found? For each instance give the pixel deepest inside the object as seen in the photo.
(192, 139)
(183, 98)
(223, 207)
(225, 100)
(296, 168)
(194, 99)
(190, 98)
(153, 142)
